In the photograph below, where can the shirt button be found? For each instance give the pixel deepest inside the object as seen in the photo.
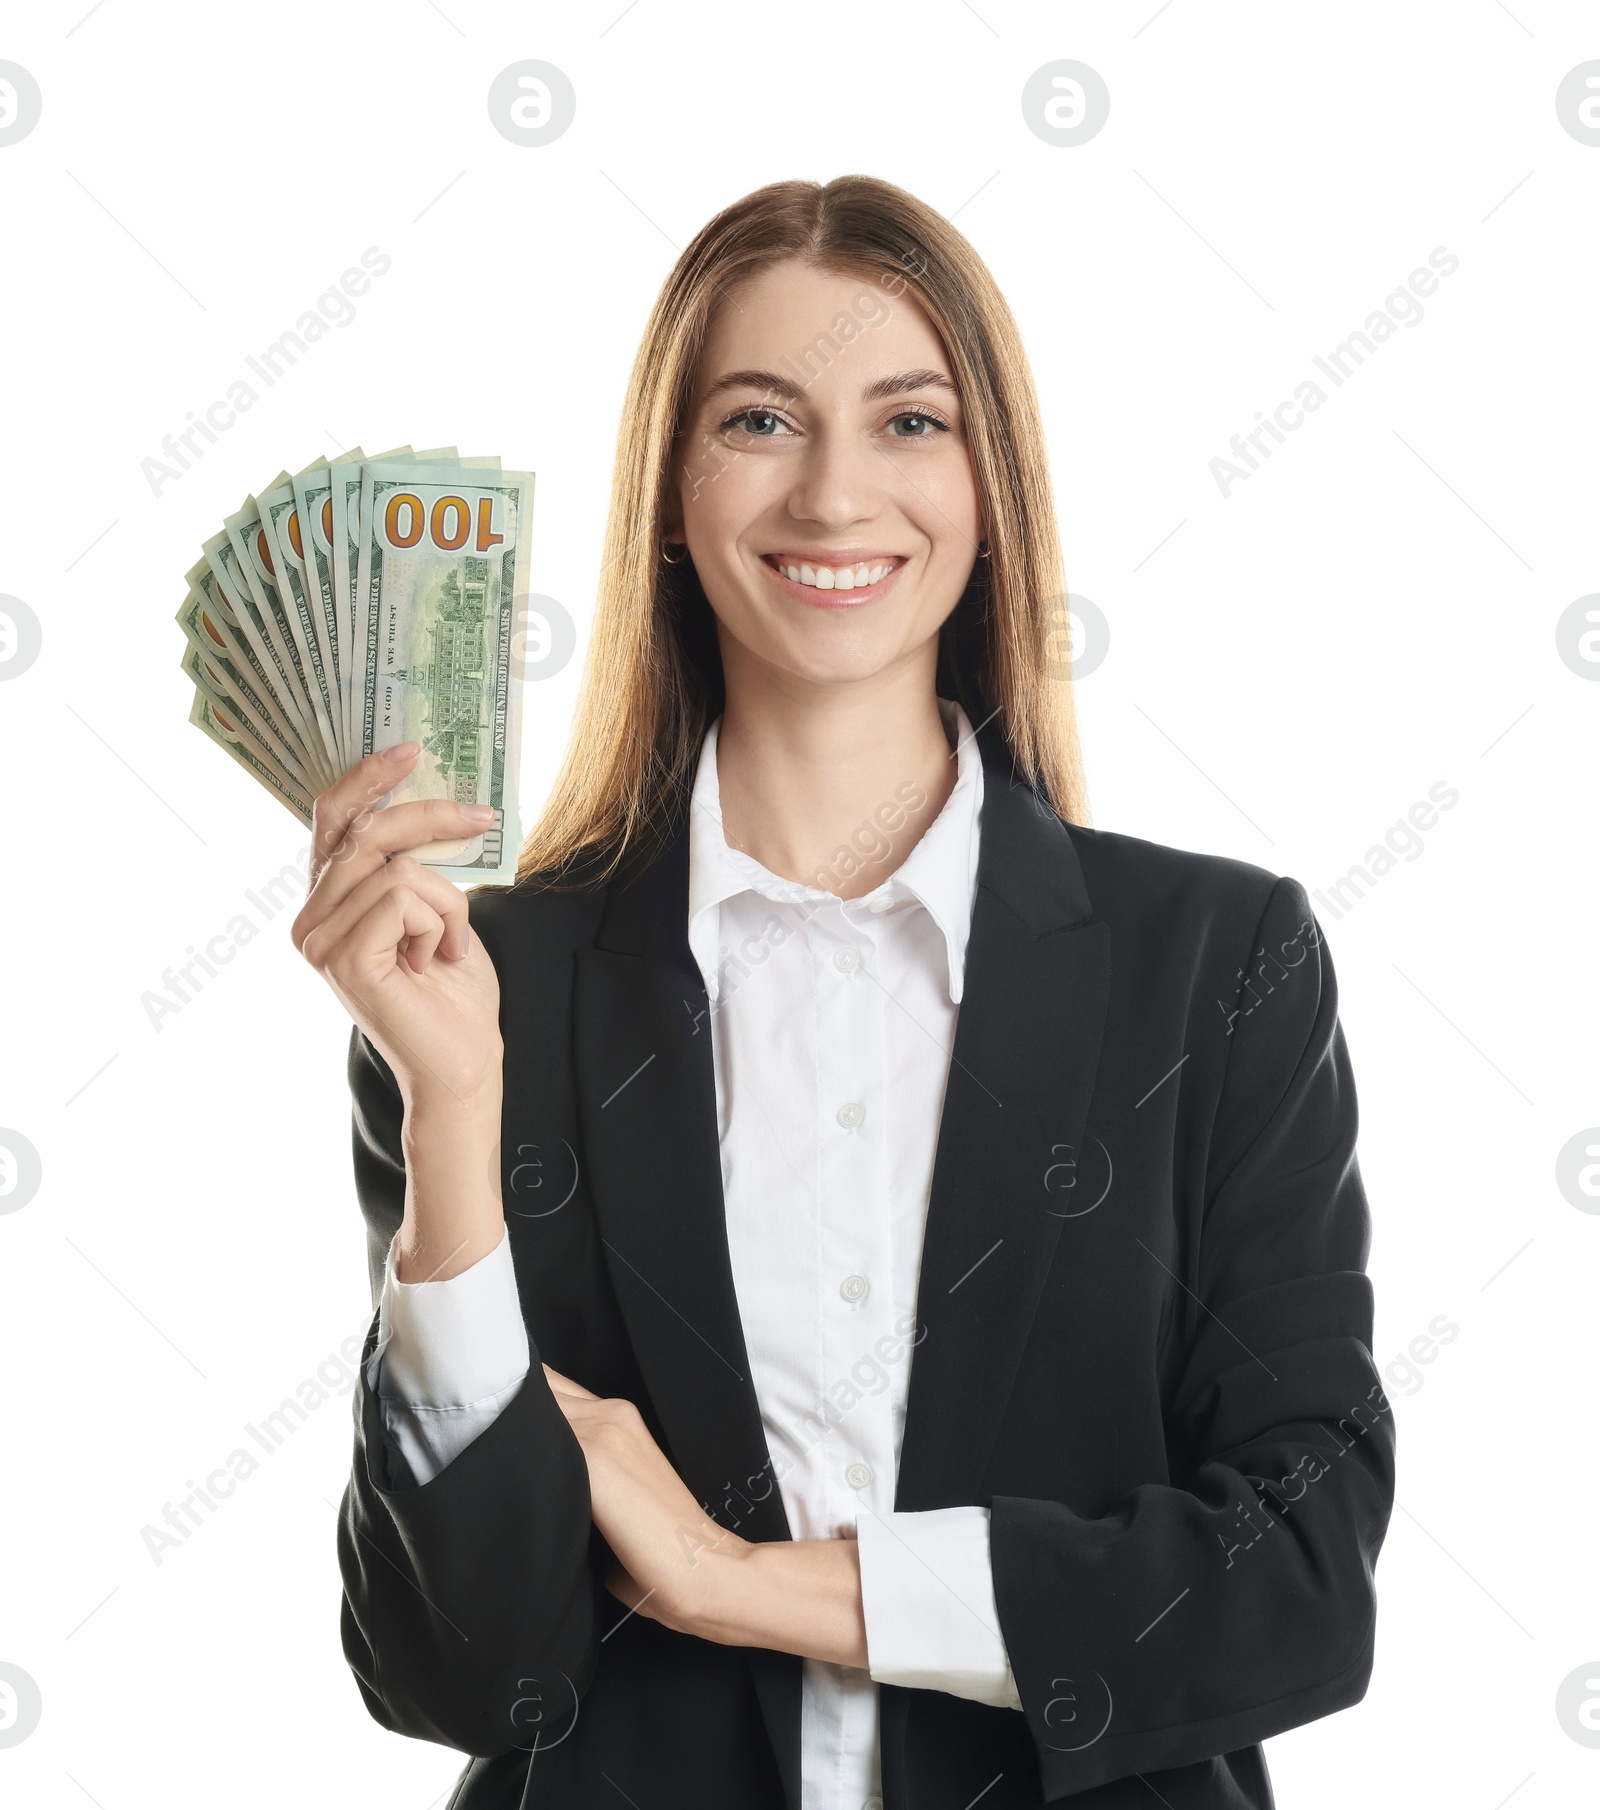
(853, 1288)
(847, 961)
(858, 1475)
(851, 1114)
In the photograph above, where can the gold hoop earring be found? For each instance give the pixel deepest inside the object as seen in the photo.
(667, 557)
(983, 549)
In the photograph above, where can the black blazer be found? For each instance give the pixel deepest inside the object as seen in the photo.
(1160, 1381)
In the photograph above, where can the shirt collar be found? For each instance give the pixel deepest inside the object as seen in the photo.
(940, 874)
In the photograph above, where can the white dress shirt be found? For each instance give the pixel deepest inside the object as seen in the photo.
(832, 1024)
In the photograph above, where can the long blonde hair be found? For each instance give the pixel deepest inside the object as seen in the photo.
(653, 678)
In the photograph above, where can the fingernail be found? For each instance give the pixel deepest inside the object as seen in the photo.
(478, 813)
(401, 751)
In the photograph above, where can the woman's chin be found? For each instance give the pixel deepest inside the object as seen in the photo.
(829, 668)
(824, 649)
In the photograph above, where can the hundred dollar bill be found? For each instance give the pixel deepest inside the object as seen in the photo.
(344, 538)
(232, 677)
(212, 685)
(219, 726)
(442, 571)
(280, 526)
(246, 571)
(363, 602)
(291, 624)
(207, 615)
(313, 495)
(275, 668)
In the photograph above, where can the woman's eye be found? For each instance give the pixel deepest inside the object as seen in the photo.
(760, 424)
(915, 426)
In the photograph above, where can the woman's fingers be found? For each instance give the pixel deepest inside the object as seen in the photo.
(352, 840)
(564, 1385)
(356, 795)
(403, 826)
(440, 923)
(344, 814)
(378, 925)
(365, 957)
(365, 849)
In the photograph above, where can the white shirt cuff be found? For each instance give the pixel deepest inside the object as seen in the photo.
(449, 1357)
(927, 1594)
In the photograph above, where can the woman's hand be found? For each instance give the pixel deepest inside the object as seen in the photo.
(658, 1531)
(391, 938)
(678, 1567)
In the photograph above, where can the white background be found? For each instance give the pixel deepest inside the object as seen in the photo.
(1372, 612)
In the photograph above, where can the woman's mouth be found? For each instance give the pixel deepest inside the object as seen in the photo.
(834, 584)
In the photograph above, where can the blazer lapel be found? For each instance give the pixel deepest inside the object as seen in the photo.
(648, 1111)
(1026, 1050)
(647, 1105)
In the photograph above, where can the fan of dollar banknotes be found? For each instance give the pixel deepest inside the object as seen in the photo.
(364, 602)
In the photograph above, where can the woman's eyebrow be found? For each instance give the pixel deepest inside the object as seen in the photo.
(772, 383)
(903, 381)
(769, 382)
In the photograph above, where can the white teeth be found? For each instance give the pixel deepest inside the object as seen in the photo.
(840, 578)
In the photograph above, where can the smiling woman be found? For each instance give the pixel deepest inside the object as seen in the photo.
(749, 343)
(811, 1451)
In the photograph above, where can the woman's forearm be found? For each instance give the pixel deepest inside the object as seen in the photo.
(453, 1211)
(794, 1596)
(677, 1566)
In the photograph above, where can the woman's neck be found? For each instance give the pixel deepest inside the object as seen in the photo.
(832, 785)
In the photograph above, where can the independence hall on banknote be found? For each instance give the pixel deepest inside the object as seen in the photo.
(454, 678)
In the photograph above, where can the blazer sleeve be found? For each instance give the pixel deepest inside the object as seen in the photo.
(1237, 1602)
(470, 1607)
(451, 1354)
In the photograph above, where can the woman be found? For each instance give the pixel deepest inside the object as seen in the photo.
(871, 1279)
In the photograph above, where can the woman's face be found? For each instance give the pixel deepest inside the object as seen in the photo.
(825, 487)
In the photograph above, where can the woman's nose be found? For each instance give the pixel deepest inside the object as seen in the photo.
(839, 480)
